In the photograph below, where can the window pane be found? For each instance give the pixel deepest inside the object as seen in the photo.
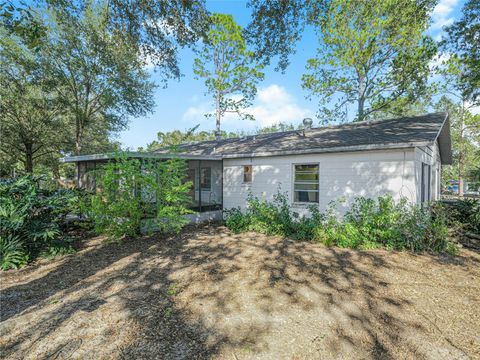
(305, 196)
(306, 177)
(247, 173)
(299, 186)
(205, 179)
(308, 167)
(306, 188)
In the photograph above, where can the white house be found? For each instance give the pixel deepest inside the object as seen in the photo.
(401, 157)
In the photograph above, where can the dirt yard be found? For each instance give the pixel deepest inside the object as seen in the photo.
(211, 294)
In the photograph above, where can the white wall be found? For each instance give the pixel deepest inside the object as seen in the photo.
(366, 173)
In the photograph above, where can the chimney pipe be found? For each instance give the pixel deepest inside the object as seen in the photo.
(307, 124)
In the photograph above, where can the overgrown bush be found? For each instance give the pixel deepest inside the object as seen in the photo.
(367, 224)
(32, 220)
(464, 214)
(135, 194)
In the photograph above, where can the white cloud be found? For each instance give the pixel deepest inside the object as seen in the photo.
(273, 104)
(475, 110)
(441, 14)
(438, 61)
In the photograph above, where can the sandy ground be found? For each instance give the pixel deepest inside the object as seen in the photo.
(211, 294)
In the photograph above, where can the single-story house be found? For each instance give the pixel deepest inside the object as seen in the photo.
(401, 157)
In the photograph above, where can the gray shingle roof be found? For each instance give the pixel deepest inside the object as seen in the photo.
(382, 134)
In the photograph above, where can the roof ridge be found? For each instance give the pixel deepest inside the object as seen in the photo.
(214, 142)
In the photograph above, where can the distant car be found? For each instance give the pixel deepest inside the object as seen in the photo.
(453, 189)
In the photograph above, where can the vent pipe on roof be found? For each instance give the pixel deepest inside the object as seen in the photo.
(307, 124)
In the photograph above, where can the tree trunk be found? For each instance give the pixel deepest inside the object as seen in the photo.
(361, 111)
(461, 155)
(218, 134)
(361, 99)
(461, 170)
(29, 158)
(78, 137)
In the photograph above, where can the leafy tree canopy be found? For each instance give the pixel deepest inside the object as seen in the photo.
(371, 53)
(462, 44)
(230, 70)
(465, 133)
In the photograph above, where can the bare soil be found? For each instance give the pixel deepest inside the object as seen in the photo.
(208, 293)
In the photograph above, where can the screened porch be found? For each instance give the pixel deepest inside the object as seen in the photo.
(206, 176)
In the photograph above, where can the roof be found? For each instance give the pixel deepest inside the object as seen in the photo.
(404, 132)
(136, 155)
(397, 133)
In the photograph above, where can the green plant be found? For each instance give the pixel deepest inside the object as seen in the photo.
(131, 191)
(31, 218)
(368, 224)
(463, 213)
(12, 253)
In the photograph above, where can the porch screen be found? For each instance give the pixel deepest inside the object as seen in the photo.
(305, 185)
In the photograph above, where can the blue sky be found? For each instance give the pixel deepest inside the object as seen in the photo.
(280, 97)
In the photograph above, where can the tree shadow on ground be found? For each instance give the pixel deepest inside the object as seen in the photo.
(208, 293)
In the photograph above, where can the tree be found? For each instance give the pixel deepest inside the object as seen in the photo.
(465, 132)
(32, 124)
(176, 137)
(99, 76)
(372, 53)
(462, 44)
(228, 67)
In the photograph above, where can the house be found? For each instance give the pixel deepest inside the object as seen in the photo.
(401, 157)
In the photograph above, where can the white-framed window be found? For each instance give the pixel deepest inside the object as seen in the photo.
(247, 173)
(306, 183)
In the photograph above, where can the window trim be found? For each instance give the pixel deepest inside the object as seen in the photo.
(251, 174)
(293, 184)
(426, 183)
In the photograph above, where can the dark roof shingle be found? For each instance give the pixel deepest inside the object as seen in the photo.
(390, 133)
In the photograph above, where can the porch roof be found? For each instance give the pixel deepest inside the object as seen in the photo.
(138, 155)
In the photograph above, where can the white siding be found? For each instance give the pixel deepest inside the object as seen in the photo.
(347, 175)
(429, 155)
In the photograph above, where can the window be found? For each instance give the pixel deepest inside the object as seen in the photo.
(206, 179)
(425, 182)
(305, 185)
(247, 174)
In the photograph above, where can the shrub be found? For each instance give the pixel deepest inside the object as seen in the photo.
(12, 253)
(369, 223)
(130, 190)
(31, 219)
(273, 218)
(464, 213)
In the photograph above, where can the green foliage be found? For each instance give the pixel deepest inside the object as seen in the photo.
(31, 219)
(368, 224)
(130, 190)
(98, 74)
(464, 213)
(461, 43)
(372, 53)
(465, 134)
(12, 253)
(230, 70)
